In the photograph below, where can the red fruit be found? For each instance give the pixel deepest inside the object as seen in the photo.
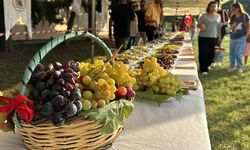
(130, 93)
(121, 91)
(128, 87)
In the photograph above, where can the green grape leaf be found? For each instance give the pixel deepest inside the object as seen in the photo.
(159, 98)
(180, 93)
(150, 95)
(111, 116)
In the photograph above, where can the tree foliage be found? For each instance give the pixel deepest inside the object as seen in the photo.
(50, 10)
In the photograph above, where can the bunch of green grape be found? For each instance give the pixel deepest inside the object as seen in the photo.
(149, 74)
(120, 73)
(168, 85)
(100, 82)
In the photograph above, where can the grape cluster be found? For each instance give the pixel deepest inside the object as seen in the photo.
(120, 73)
(54, 91)
(149, 74)
(170, 49)
(165, 61)
(100, 83)
(168, 85)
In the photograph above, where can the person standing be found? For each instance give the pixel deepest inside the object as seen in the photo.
(141, 22)
(153, 19)
(209, 24)
(121, 15)
(240, 28)
(134, 32)
(174, 25)
(184, 26)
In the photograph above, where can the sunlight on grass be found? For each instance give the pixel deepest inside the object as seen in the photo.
(227, 99)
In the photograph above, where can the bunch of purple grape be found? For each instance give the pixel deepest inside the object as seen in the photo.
(165, 62)
(169, 51)
(54, 93)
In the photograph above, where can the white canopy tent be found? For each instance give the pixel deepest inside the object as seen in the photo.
(181, 7)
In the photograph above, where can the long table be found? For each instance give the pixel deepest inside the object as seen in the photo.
(172, 126)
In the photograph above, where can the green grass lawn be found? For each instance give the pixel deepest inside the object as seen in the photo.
(227, 98)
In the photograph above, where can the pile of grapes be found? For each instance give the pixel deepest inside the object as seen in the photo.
(104, 83)
(179, 37)
(168, 85)
(150, 72)
(54, 91)
(61, 91)
(166, 61)
(152, 75)
(169, 49)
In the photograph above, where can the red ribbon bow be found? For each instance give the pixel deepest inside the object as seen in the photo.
(23, 106)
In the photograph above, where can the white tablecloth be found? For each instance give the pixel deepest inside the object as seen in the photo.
(173, 125)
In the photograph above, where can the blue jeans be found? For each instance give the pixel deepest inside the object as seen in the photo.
(236, 49)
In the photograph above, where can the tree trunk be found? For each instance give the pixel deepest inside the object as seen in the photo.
(2, 27)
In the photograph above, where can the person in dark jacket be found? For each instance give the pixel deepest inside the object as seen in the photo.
(121, 16)
(141, 22)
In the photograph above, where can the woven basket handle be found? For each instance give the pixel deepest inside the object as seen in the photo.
(49, 46)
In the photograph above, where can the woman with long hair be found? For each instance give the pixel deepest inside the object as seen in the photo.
(240, 28)
(209, 24)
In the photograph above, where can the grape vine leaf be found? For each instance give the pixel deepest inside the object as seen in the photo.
(151, 96)
(111, 116)
(180, 93)
(159, 98)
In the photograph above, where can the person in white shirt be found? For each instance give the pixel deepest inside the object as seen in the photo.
(134, 31)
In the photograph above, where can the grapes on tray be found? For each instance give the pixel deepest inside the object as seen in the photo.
(169, 49)
(166, 61)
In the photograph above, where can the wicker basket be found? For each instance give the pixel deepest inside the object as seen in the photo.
(79, 133)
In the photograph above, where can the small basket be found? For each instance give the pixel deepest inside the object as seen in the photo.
(77, 134)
